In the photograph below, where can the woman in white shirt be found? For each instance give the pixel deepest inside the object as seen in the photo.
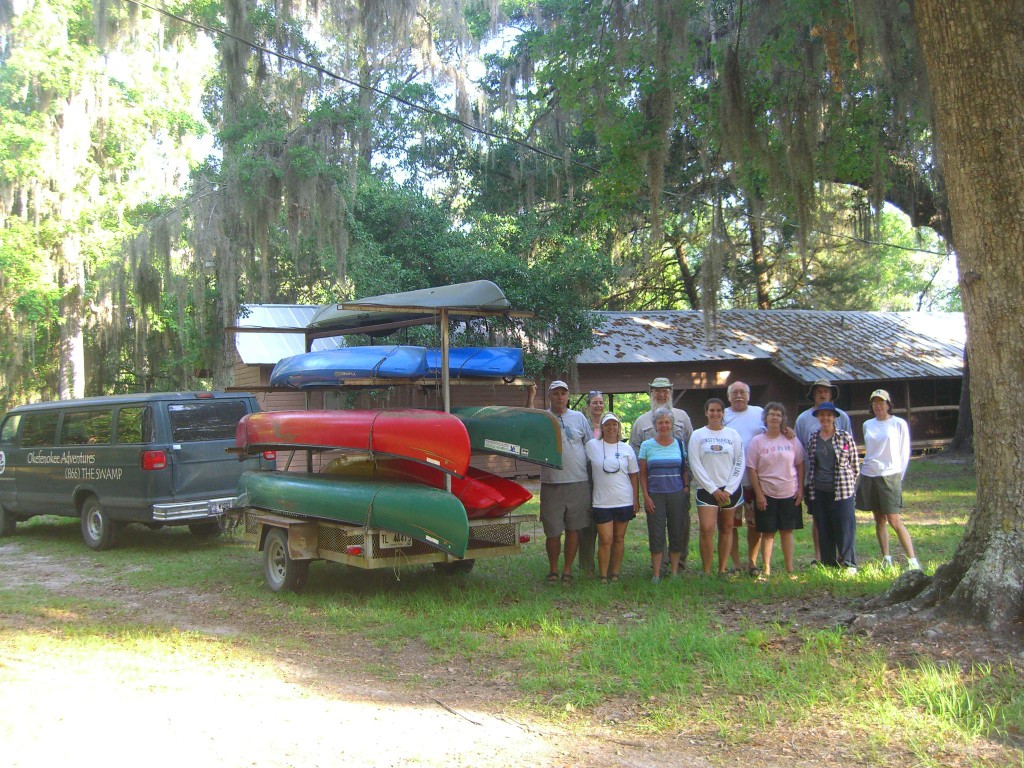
(716, 465)
(616, 498)
(880, 488)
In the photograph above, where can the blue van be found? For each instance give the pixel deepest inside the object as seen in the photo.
(157, 459)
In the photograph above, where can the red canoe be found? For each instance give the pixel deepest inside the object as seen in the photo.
(482, 494)
(512, 493)
(434, 438)
(479, 498)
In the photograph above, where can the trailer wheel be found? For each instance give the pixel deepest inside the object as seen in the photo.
(279, 569)
(7, 522)
(98, 530)
(455, 567)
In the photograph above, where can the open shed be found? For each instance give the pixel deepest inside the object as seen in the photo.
(916, 356)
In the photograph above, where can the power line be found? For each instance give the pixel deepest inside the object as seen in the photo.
(477, 129)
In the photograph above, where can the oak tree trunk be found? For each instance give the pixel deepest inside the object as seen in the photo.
(975, 65)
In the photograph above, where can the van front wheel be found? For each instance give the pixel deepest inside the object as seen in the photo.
(98, 530)
(279, 569)
(7, 522)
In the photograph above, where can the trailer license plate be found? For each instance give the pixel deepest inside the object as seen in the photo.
(390, 540)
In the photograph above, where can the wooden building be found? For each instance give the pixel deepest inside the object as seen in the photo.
(916, 356)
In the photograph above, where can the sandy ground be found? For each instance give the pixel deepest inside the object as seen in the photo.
(319, 707)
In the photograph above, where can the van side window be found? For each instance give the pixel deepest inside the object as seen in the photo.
(9, 430)
(207, 420)
(39, 429)
(87, 427)
(135, 425)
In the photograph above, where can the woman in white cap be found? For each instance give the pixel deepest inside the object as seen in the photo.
(880, 487)
(616, 496)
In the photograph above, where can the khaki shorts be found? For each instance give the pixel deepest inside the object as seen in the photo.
(880, 494)
(564, 507)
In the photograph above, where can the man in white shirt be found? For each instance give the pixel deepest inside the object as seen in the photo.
(745, 419)
(565, 493)
(821, 391)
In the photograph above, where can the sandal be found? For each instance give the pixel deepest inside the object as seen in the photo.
(614, 578)
(566, 579)
(604, 579)
(551, 578)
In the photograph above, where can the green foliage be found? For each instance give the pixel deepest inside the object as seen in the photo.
(788, 117)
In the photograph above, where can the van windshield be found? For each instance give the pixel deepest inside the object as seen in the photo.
(207, 420)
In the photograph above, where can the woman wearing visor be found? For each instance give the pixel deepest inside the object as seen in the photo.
(616, 499)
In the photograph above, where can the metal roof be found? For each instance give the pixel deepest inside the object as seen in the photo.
(267, 348)
(805, 344)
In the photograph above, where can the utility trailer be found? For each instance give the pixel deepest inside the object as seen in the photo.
(290, 541)
(289, 544)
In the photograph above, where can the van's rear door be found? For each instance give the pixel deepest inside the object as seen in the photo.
(201, 432)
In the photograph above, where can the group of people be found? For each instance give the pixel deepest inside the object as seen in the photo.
(748, 466)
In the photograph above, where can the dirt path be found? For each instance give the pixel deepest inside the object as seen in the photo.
(314, 707)
(295, 709)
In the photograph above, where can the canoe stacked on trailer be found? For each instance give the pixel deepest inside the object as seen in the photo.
(333, 367)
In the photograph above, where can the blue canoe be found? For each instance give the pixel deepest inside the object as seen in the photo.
(335, 366)
(506, 362)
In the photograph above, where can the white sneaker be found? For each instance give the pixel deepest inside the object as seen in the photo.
(913, 565)
(851, 570)
(887, 561)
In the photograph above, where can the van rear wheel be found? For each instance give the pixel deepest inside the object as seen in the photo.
(98, 530)
(7, 522)
(280, 570)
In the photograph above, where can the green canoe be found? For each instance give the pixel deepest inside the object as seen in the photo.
(425, 514)
(526, 434)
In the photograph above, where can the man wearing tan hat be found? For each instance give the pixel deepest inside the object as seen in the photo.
(565, 493)
(661, 396)
(821, 391)
(643, 428)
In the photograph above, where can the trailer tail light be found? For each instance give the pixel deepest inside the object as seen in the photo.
(154, 460)
(524, 538)
(353, 550)
(270, 455)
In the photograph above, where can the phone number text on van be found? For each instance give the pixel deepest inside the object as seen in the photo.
(92, 473)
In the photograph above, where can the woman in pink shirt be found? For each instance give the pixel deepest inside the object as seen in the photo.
(775, 468)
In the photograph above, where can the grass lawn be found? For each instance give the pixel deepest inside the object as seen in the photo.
(735, 658)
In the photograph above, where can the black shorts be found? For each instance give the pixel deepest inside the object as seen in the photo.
(613, 515)
(779, 515)
(705, 499)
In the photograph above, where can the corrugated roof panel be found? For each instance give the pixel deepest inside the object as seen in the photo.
(256, 348)
(806, 344)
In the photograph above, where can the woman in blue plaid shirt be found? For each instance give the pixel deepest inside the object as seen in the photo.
(832, 468)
